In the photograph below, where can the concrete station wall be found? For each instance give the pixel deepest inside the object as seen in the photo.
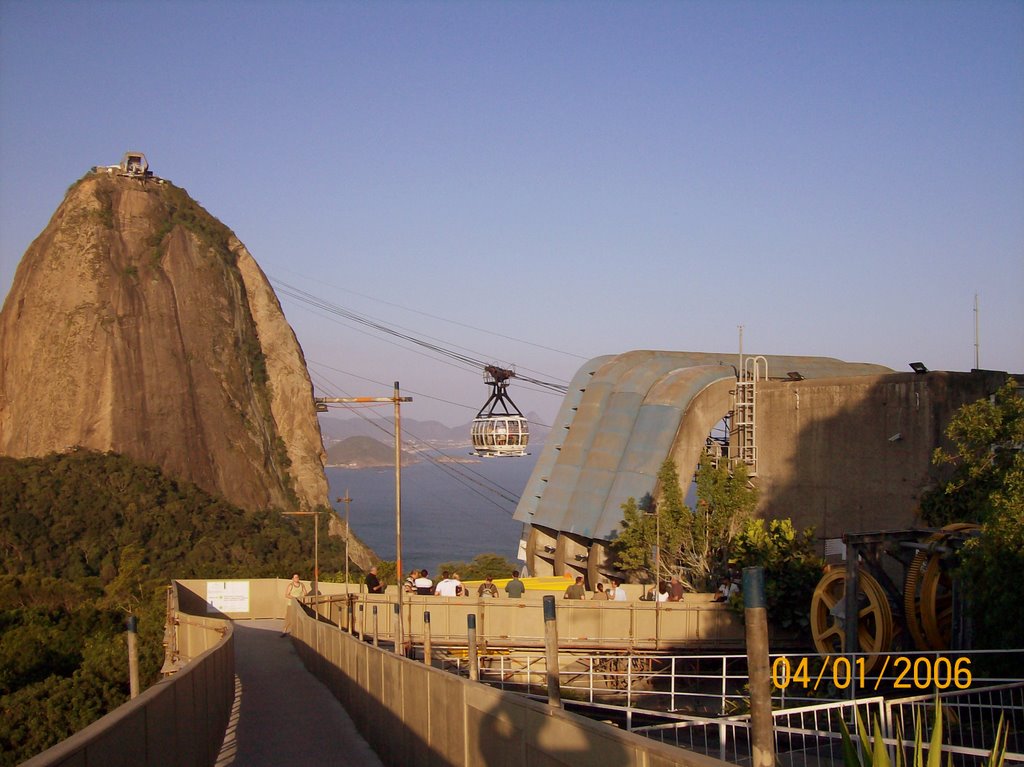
(854, 454)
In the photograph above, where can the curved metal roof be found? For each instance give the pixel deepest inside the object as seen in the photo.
(618, 423)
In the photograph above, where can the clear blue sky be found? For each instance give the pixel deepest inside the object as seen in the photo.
(840, 178)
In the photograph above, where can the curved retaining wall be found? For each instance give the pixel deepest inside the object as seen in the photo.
(412, 714)
(179, 721)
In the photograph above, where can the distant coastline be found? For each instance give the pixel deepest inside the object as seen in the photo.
(409, 458)
(353, 443)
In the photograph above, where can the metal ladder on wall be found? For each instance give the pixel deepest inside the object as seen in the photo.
(743, 445)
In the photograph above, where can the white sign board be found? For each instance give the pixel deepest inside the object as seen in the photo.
(227, 596)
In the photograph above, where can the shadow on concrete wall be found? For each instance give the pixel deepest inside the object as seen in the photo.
(864, 464)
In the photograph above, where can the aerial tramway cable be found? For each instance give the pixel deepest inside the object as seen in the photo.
(435, 346)
(473, 481)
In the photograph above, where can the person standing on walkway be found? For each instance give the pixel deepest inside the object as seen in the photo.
(373, 584)
(447, 586)
(487, 588)
(515, 587)
(294, 590)
(617, 593)
(576, 590)
(675, 590)
(424, 586)
(410, 583)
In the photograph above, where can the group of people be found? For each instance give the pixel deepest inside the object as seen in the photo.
(450, 585)
(613, 592)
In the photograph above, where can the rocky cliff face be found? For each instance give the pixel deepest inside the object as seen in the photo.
(138, 323)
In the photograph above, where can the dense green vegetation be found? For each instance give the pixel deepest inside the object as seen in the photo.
(985, 484)
(792, 569)
(87, 538)
(718, 536)
(482, 565)
(693, 544)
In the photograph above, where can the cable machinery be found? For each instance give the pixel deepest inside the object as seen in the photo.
(499, 429)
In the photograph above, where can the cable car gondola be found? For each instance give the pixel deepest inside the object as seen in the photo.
(504, 433)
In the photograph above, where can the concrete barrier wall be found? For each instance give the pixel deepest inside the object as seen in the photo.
(697, 623)
(178, 722)
(412, 714)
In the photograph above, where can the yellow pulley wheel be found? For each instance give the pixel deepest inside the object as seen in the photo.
(927, 593)
(874, 616)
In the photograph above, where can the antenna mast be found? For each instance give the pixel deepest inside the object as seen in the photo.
(977, 338)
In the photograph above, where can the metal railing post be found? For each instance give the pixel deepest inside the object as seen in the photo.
(551, 652)
(428, 650)
(474, 669)
(756, 620)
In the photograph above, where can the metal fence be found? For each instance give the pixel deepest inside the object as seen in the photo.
(673, 698)
(716, 685)
(810, 736)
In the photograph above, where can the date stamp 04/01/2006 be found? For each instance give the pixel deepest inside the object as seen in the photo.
(905, 673)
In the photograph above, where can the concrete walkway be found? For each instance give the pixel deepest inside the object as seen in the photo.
(282, 714)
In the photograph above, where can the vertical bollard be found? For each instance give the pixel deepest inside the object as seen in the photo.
(428, 650)
(132, 625)
(375, 632)
(551, 652)
(474, 669)
(756, 618)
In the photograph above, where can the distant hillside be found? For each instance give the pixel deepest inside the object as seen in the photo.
(364, 452)
(74, 515)
(85, 536)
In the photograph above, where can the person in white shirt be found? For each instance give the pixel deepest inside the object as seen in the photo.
(423, 584)
(618, 594)
(726, 590)
(447, 586)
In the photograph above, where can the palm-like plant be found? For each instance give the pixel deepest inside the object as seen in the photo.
(874, 753)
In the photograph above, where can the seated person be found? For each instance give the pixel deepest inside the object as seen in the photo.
(726, 590)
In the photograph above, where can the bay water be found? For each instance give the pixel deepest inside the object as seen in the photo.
(450, 511)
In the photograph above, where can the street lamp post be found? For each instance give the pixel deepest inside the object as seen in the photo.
(348, 533)
(649, 506)
(321, 404)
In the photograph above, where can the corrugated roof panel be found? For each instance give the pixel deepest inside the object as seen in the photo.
(598, 436)
(651, 440)
(552, 507)
(526, 509)
(602, 460)
(653, 436)
(587, 501)
(584, 426)
(626, 485)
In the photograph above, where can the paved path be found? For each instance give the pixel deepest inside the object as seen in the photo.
(282, 714)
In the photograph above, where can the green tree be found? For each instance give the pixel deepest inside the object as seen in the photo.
(694, 543)
(648, 526)
(726, 499)
(986, 485)
(132, 583)
(792, 567)
(482, 565)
